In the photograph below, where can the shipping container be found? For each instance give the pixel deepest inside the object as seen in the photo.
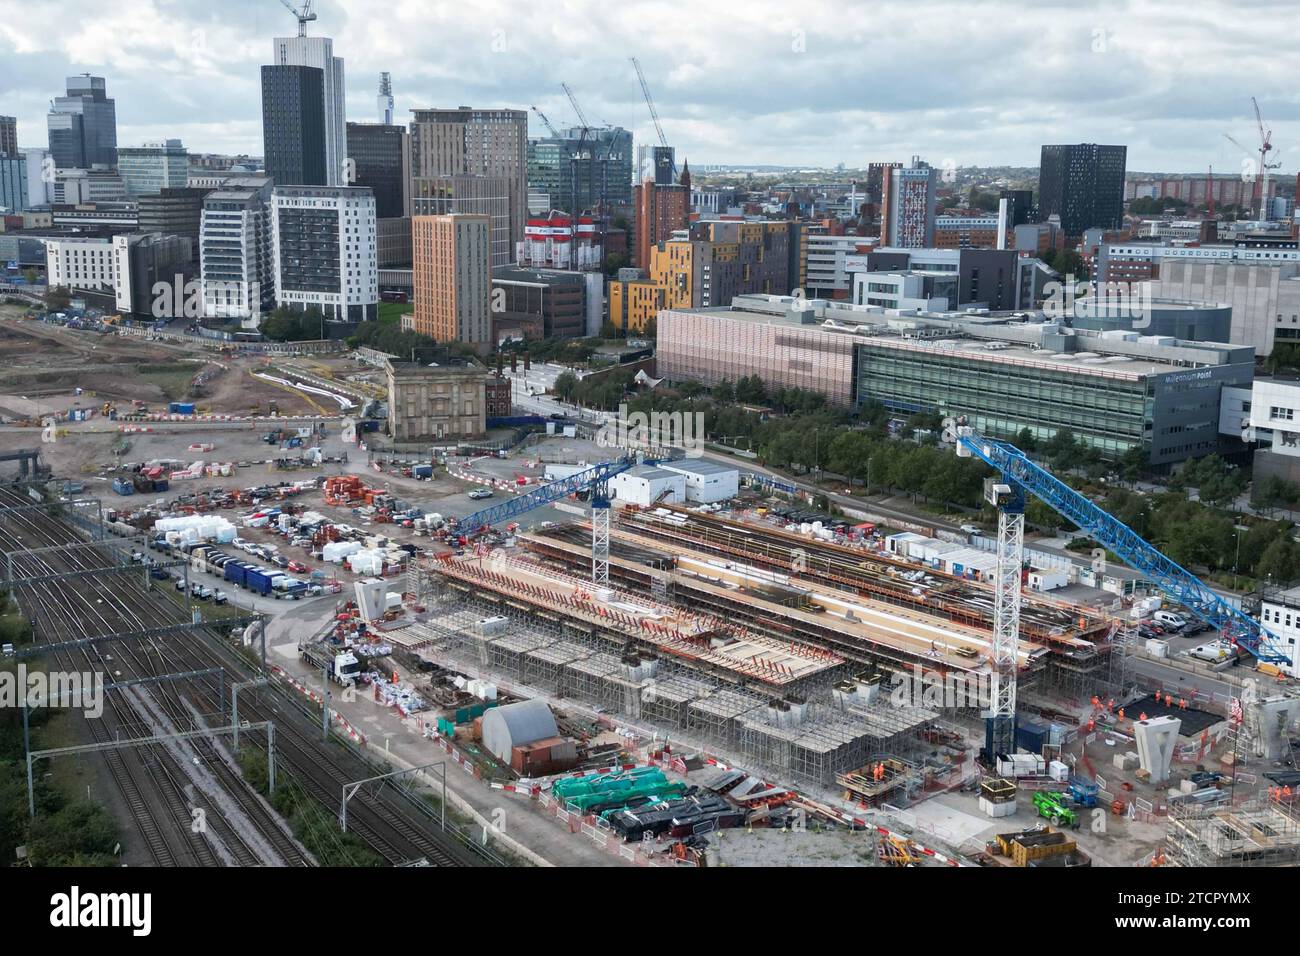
(180, 408)
(123, 486)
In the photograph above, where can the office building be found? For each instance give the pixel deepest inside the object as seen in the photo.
(824, 264)
(380, 158)
(394, 238)
(324, 252)
(1084, 185)
(443, 401)
(317, 53)
(452, 276)
(1267, 414)
(174, 212)
(235, 251)
(82, 125)
(140, 262)
(14, 195)
(1114, 391)
(8, 136)
(468, 161)
(987, 277)
(75, 187)
(294, 126)
(583, 171)
(153, 167)
(538, 303)
(1279, 612)
(908, 203)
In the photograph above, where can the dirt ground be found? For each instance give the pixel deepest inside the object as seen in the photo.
(42, 365)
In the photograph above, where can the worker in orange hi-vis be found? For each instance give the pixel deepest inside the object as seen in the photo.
(1169, 700)
(1096, 701)
(1121, 713)
(1092, 725)
(1182, 703)
(1142, 716)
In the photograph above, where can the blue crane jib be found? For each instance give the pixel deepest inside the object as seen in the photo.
(1175, 581)
(594, 477)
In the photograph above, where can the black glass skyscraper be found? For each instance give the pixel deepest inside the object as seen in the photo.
(378, 153)
(293, 125)
(1083, 184)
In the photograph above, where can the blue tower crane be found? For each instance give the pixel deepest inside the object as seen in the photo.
(595, 479)
(1175, 581)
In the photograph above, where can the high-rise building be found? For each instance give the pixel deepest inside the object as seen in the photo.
(580, 172)
(452, 276)
(293, 125)
(13, 184)
(908, 202)
(238, 273)
(720, 259)
(1083, 184)
(380, 158)
(83, 125)
(174, 212)
(324, 251)
(8, 136)
(140, 261)
(468, 161)
(665, 163)
(1020, 206)
(658, 212)
(153, 167)
(73, 187)
(318, 53)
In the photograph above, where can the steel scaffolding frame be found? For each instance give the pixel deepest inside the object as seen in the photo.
(1260, 832)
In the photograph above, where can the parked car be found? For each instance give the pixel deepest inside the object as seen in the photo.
(280, 561)
(297, 567)
(972, 529)
(480, 493)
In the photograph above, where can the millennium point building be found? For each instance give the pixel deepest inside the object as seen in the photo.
(1114, 390)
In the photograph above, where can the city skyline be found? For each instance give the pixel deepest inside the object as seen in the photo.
(823, 86)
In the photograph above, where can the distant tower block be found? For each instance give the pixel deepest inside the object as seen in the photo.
(1156, 739)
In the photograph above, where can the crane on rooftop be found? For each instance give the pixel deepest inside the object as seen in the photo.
(305, 15)
(1259, 157)
(654, 113)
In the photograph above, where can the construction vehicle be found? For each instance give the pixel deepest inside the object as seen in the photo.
(342, 666)
(1081, 792)
(1052, 806)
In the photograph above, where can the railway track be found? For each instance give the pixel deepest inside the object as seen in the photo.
(397, 825)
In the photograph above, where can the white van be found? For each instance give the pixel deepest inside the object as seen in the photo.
(1169, 619)
(1214, 652)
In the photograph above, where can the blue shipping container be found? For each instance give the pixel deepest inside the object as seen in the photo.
(235, 571)
(123, 486)
(181, 408)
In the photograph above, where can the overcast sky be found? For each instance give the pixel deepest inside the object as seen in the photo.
(815, 82)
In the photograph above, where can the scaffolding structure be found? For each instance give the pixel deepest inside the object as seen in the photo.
(1263, 831)
(788, 737)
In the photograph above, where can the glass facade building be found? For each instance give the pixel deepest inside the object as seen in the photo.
(83, 125)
